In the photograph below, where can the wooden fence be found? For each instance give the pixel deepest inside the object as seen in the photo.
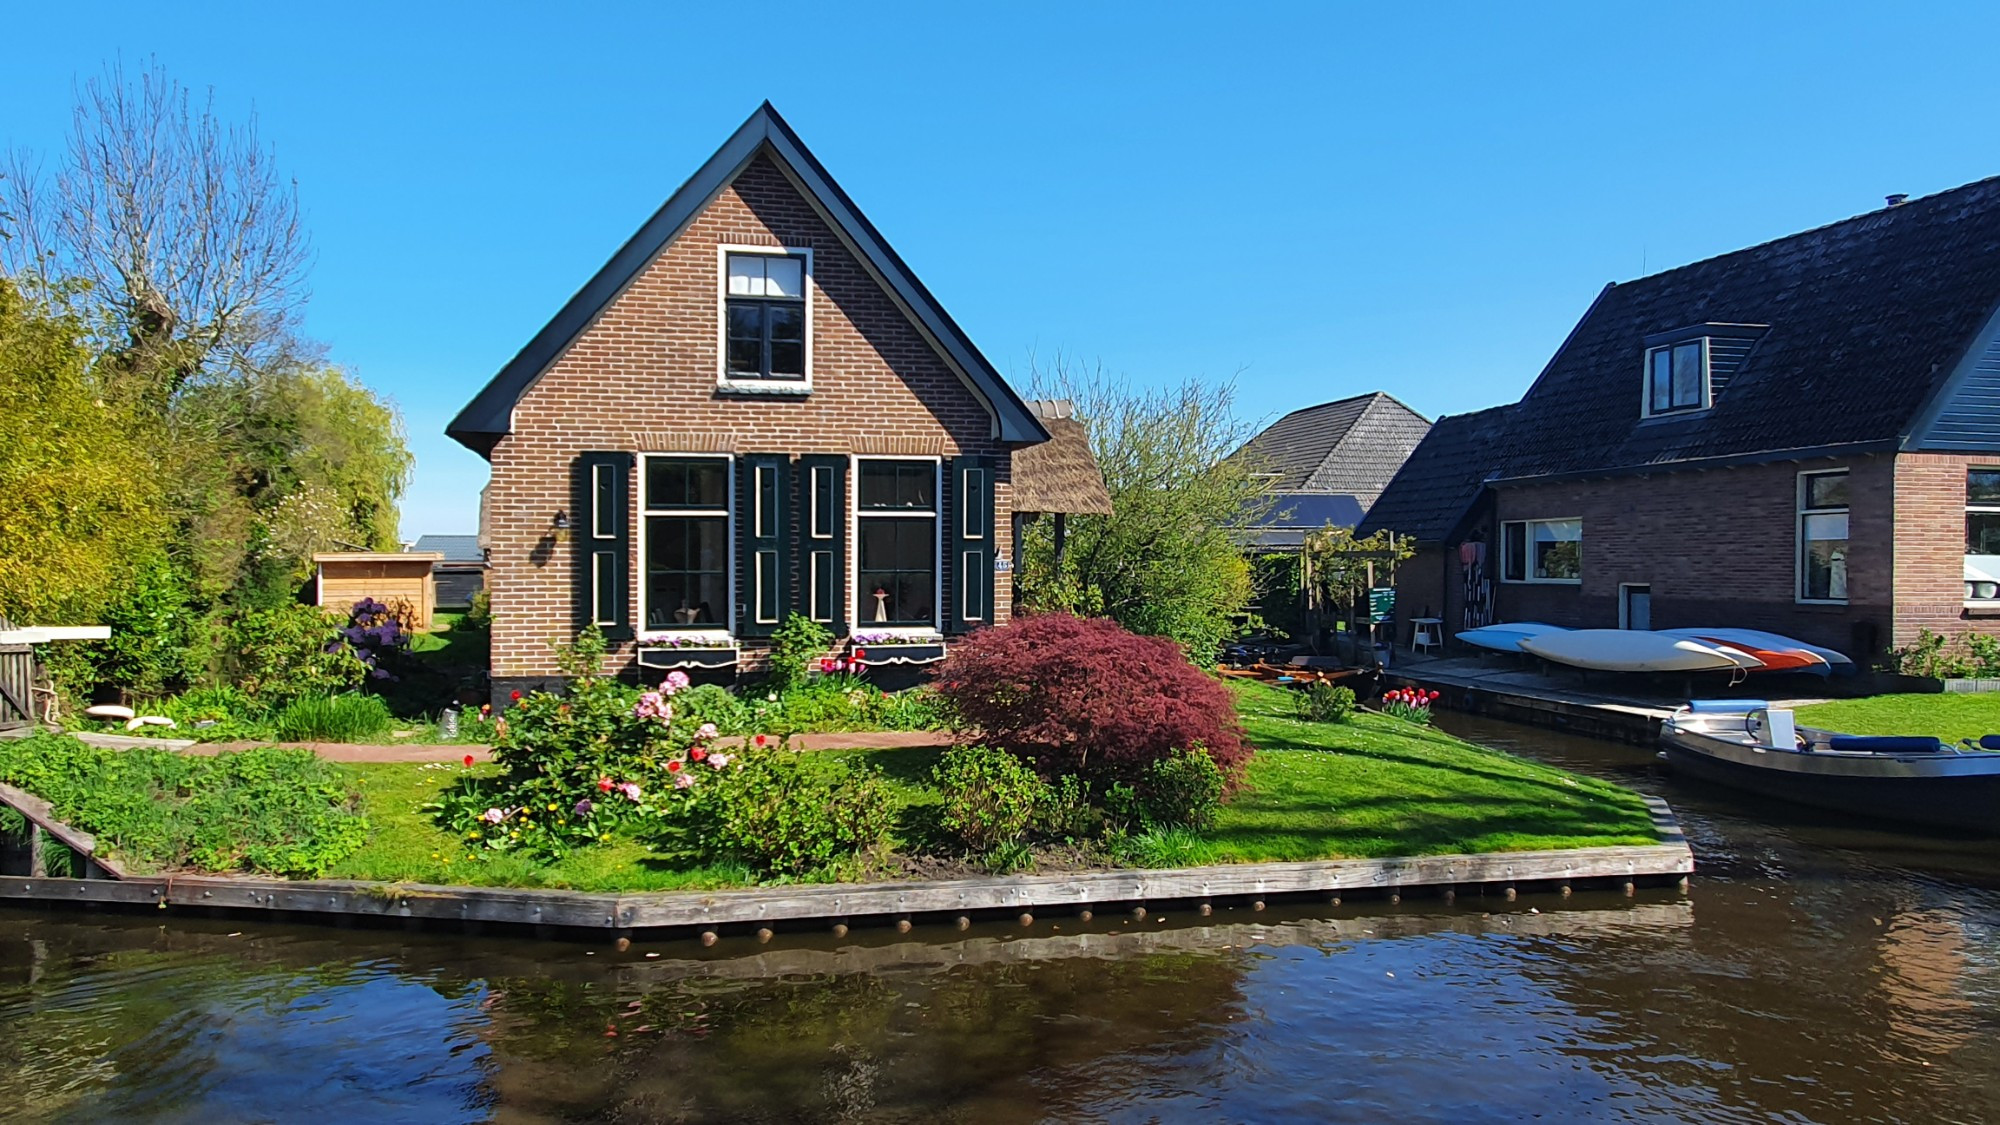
(17, 686)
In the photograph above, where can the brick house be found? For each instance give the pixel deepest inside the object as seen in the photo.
(753, 409)
(1803, 437)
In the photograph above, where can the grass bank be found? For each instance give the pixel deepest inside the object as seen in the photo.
(1950, 716)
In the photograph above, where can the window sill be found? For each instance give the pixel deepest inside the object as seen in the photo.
(1835, 602)
(1984, 608)
(784, 388)
(1676, 415)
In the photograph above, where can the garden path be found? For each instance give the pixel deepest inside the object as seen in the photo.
(456, 751)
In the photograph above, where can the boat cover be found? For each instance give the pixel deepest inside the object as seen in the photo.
(1885, 743)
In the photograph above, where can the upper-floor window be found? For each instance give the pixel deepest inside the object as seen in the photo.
(1982, 535)
(1541, 551)
(1823, 536)
(1677, 377)
(764, 319)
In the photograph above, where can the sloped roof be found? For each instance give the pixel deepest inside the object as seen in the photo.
(1442, 478)
(1060, 474)
(1351, 446)
(1291, 515)
(488, 417)
(1867, 318)
(454, 548)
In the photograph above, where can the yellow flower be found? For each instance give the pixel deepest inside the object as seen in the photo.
(606, 836)
(552, 806)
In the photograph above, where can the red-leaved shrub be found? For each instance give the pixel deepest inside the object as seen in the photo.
(1083, 695)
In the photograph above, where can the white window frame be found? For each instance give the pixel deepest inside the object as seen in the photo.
(1707, 379)
(855, 623)
(1799, 532)
(760, 386)
(1972, 509)
(1528, 556)
(723, 634)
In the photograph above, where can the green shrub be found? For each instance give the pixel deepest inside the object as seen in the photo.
(333, 718)
(270, 810)
(795, 646)
(159, 640)
(990, 796)
(1066, 812)
(1322, 702)
(282, 654)
(779, 813)
(479, 614)
(713, 703)
(1162, 847)
(917, 708)
(1182, 790)
(1966, 656)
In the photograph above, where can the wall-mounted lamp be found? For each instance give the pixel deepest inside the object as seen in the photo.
(561, 520)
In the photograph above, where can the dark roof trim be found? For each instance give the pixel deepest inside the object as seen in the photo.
(1734, 460)
(1702, 331)
(489, 415)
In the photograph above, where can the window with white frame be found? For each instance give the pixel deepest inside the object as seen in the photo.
(1677, 377)
(896, 568)
(1982, 535)
(1541, 551)
(1823, 536)
(764, 316)
(687, 543)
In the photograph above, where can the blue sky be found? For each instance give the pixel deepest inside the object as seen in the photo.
(1316, 201)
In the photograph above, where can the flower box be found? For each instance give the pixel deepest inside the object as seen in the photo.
(687, 654)
(879, 654)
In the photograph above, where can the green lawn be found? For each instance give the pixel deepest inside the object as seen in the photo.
(449, 644)
(1372, 786)
(1950, 716)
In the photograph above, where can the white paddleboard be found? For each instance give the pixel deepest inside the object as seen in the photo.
(1758, 638)
(1629, 650)
(1507, 637)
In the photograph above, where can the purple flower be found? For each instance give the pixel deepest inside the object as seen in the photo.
(584, 806)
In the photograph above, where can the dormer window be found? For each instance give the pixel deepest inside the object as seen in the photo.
(1677, 377)
(764, 322)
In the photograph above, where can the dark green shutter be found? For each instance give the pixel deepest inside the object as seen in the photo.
(601, 529)
(822, 529)
(971, 539)
(764, 571)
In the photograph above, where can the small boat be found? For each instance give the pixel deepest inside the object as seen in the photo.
(1507, 637)
(1774, 652)
(1747, 744)
(1632, 650)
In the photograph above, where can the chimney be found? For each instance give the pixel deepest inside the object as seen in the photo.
(1898, 199)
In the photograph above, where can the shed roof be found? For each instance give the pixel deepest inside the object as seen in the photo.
(1292, 515)
(454, 548)
(1060, 474)
(1351, 446)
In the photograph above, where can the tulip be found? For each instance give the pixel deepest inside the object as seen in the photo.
(697, 754)
(516, 695)
(604, 785)
(760, 740)
(468, 761)
(674, 766)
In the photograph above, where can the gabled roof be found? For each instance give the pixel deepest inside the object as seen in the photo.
(1061, 474)
(454, 548)
(1431, 494)
(1293, 514)
(1351, 446)
(1867, 318)
(488, 417)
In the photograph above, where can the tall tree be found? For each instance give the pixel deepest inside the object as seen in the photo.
(1165, 562)
(190, 241)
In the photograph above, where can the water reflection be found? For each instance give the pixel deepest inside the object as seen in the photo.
(1818, 971)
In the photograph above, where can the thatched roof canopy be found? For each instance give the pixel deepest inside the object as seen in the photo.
(1059, 475)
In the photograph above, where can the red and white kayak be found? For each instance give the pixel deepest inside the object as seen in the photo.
(1772, 652)
(1632, 650)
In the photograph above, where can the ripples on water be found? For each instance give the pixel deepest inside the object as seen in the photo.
(1816, 973)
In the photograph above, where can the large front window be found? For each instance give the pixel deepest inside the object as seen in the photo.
(687, 543)
(1677, 377)
(1982, 535)
(765, 317)
(1823, 537)
(1541, 551)
(896, 510)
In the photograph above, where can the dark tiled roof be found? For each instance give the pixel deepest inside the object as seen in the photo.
(1867, 317)
(1441, 479)
(1291, 515)
(1351, 447)
(456, 548)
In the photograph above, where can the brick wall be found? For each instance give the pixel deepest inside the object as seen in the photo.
(1930, 546)
(1718, 547)
(642, 378)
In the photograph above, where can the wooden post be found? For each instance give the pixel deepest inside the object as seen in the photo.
(1061, 541)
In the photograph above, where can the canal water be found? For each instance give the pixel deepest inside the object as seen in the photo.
(1817, 971)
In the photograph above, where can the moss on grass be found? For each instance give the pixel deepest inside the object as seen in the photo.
(1950, 716)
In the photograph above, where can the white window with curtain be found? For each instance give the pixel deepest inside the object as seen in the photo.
(1823, 537)
(1982, 536)
(1541, 551)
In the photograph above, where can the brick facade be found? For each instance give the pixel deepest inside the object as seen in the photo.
(1930, 546)
(642, 379)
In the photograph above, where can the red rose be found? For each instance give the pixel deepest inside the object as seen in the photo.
(516, 695)
(760, 740)
(468, 761)
(697, 753)
(674, 766)
(858, 654)
(604, 785)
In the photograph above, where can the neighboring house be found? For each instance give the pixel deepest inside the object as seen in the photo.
(1328, 463)
(1803, 436)
(460, 572)
(754, 409)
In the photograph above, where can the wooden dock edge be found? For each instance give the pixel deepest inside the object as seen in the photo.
(762, 908)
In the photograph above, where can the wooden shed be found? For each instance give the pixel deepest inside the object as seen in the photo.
(346, 577)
